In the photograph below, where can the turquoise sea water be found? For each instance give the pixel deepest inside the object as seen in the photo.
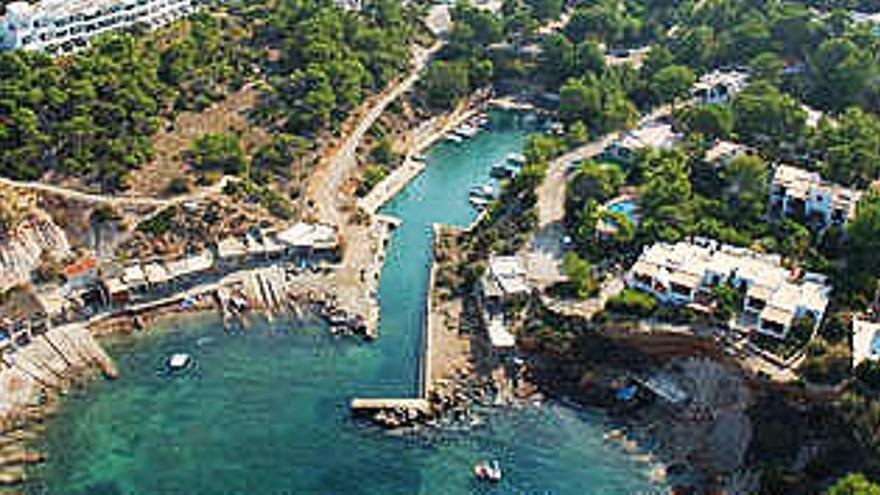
(265, 412)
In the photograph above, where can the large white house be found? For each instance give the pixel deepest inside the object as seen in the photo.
(719, 86)
(504, 280)
(65, 26)
(800, 193)
(657, 134)
(686, 273)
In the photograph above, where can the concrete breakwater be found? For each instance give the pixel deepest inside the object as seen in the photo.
(31, 380)
(440, 198)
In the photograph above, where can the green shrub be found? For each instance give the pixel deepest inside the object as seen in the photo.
(218, 151)
(836, 328)
(158, 224)
(826, 364)
(373, 174)
(632, 302)
(868, 372)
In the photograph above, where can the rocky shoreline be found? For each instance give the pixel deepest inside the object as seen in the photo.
(33, 381)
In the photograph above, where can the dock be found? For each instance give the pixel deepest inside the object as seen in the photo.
(512, 105)
(370, 406)
(391, 185)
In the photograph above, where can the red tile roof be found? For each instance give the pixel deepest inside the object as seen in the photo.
(80, 267)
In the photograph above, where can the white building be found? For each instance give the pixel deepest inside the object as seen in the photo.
(190, 267)
(723, 152)
(231, 251)
(504, 279)
(652, 135)
(719, 86)
(866, 341)
(311, 239)
(686, 273)
(803, 194)
(64, 26)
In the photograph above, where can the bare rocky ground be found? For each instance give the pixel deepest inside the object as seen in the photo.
(230, 115)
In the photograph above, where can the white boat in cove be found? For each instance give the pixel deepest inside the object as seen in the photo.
(488, 471)
(179, 361)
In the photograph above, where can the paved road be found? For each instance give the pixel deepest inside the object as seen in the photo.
(544, 254)
(324, 188)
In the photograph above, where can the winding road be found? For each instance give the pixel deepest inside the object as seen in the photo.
(544, 254)
(324, 187)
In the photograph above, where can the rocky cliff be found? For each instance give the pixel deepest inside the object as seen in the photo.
(29, 235)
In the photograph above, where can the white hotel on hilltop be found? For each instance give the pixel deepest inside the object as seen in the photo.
(64, 26)
(686, 273)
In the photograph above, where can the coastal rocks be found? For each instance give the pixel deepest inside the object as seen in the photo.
(398, 417)
(706, 436)
(22, 249)
(31, 379)
(326, 306)
(300, 293)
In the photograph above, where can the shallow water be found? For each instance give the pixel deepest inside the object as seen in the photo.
(266, 411)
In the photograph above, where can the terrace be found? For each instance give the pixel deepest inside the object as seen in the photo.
(774, 297)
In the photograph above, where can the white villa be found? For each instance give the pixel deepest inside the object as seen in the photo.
(805, 194)
(65, 26)
(719, 86)
(685, 273)
(652, 135)
(865, 341)
(723, 152)
(504, 279)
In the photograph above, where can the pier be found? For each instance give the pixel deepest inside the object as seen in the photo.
(421, 138)
(375, 405)
(392, 413)
(391, 185)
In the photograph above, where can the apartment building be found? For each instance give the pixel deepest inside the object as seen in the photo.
(805, 195)
(59, 27)
(686, 273)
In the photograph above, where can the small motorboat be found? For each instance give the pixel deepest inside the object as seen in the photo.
(466, 131)
(488, 471)
(478, 202)
(455, 138)
(483, 191)
(503, 171)
(516, 159)
(179, 361)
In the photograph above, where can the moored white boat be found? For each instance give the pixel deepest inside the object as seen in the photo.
(483, 191)
(179, 361)
(478, 202)
(488, 471)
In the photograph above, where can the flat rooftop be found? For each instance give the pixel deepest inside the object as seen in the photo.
(691, 263)
(866, 341)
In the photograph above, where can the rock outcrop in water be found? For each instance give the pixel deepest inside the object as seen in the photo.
(27, 233)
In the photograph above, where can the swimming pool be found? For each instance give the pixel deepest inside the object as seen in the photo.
(625, 205)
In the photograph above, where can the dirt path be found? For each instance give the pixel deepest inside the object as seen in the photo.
(115, 200)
